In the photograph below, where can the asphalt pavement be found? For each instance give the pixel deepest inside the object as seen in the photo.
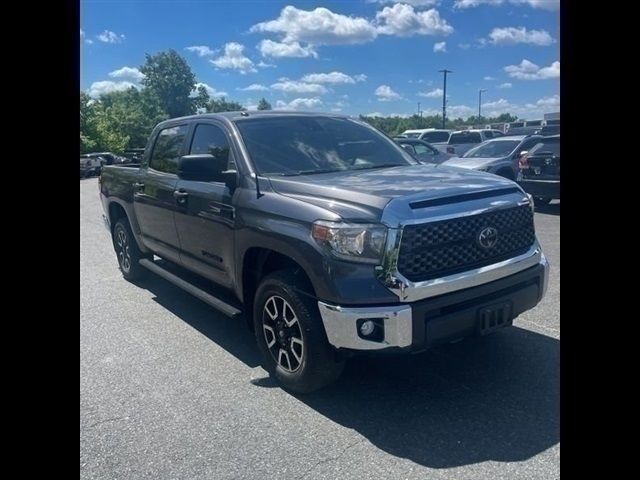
(170, 389)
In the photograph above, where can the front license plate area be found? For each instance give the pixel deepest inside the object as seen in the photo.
(491, 318)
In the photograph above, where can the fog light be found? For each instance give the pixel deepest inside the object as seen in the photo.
(367, 328)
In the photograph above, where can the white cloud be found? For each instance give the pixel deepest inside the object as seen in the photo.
(129, 73)
(299, 104)
(505, 85)
(488, 78)
(210, 90)
(262, 64)
(514, 36)
(269, 48)
(530, 71)
(202, 50)
(110, 37)
(107, 86)
(254, 87)
(81, 33)
(402, 20)
(440, 47)
(551, 5)
(333, 78)
(385, 93)
(464, 46)
(552, 101)
(234, 59)
(294, 86)
(435, 93)
(415, 3)
(88, 41)
(318, 27)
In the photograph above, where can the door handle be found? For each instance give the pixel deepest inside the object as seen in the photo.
(180, 196)
(138, 186)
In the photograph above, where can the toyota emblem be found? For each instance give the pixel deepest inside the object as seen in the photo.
(488, 237)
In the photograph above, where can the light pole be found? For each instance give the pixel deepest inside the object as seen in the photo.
(444, 96)
(419, 111)
(480, 103)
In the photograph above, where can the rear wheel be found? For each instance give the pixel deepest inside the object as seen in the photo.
(290, 335)
(127, 251)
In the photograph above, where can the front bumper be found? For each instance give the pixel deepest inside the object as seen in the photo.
(415, 326)
(541, 188)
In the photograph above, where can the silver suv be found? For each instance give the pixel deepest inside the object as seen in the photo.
(499, 156)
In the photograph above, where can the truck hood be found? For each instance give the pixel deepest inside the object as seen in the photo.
(362, 195)
(472, 163)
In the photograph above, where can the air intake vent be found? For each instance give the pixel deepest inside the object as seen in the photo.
(465, 197)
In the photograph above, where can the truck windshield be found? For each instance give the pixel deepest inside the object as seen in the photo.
(500, 148)
(304, 145)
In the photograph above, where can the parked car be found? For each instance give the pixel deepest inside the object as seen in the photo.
(549, 130)
(519, 131)
(91, 165)
(107, 157)
(435, 137)
(463, 140)
(422, 151)
(133, 155)
(539, 170)
(499, 155)
(327, 236)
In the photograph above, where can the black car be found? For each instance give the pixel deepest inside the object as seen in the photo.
(421, 150)
(540, 170)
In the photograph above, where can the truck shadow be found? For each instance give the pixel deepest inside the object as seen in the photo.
(494, 398)
(489, 399)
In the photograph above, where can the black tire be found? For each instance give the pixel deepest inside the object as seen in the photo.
(318, 365)
(541, 201)
(127, 251)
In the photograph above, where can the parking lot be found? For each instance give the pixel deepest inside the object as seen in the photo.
(172, 389)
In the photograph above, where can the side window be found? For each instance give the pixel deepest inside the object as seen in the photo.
(211, 139)
(167, 148)
(497, 134)
(488, 134)
(423, 150)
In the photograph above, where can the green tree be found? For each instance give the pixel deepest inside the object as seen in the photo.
(222, 105)
(169, 77)
(201, 100)
(263, 104)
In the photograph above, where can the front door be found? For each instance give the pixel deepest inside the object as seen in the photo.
(205, 218)
(153, 199)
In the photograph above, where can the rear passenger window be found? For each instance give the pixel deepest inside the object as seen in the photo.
(167, 148)
(212, 139)
(488, 134)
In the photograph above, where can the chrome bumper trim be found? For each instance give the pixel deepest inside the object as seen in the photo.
(340, 325)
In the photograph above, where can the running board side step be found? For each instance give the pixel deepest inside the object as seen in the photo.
(206, 297)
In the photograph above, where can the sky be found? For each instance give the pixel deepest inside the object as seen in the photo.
(352, 56)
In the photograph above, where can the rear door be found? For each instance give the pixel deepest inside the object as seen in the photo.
(205, 219)
(153, 199)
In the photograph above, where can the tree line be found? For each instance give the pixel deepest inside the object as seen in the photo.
(122, 120)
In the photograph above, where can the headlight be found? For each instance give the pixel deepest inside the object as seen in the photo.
(357, 242)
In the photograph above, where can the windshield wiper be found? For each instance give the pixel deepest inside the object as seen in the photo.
(311, 172)
(384, 165)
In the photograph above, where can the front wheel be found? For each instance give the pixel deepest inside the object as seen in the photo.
(291, 336)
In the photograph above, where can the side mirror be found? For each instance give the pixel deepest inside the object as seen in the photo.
(202, 167)
(523, 153)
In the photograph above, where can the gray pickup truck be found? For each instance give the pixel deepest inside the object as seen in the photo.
(325, 236)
